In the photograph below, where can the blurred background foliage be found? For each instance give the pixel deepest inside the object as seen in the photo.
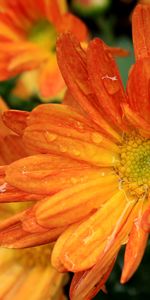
(111, 21)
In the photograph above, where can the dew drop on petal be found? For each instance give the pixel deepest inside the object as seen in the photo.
(63, 148)
(51, 137)
(73, 180)
(3, 187)
(96, 138)
(76, 152)
(111, 84)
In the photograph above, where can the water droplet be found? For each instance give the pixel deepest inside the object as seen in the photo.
(51, 137)
(73, 180)
(89, 235)
(3, 187)
(111, 84)
(76, 152)
(96, 137)
(79, 126)
(63, 148)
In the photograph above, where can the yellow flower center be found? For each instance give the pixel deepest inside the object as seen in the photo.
(134, 165)
(44, 34)
(31, 257)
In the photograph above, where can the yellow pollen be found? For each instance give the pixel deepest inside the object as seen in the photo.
(134, 166)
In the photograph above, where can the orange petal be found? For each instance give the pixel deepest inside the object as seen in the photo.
(105, 80)
(73, 66)
(95, 235)
(11, 148)
(50, 79)
(10, 194)
(79, 288)
(141, 31)
(92, 277)
(12, 234)
(118, 51)
(58, 247)
(15, 120)
(138, 88)
(76, 203)
(70, 23)
(70, 101)
(145, 222)
(48, 174)
(136, 120)
(134, 251)
(68, 137)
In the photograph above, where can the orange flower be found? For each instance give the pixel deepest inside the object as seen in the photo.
(90, 168)
(28, 31)
(28, 274)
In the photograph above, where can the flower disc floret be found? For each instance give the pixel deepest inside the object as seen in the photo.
(134, 165)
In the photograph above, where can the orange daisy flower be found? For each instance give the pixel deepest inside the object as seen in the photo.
(90, 168)
(28, 31)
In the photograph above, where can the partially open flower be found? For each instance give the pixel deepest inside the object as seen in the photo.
(90, 168)
(28, 31)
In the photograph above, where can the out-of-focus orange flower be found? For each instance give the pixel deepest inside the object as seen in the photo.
(28, 274)
(90, 167)
(28, 31)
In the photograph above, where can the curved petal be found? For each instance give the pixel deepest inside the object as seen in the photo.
(11, 149)
(136, 121)
(92, 278)
(12, 234)
(48, 174)
(138, 88)
(134, 251)
(79, 288)
(106, 82)
(95, 236)
(141, 31)
(15, 120)
(62, 131)
(72, 61)
(74, 204)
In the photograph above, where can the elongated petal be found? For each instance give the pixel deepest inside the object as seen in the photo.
(73, 204)
(95, 235)
(73, 65)
(12, 234)
(72, 138)
(79, 286)
(11, 148)
(105, 80)
(15, 120)
(138, 88)
(47, 174)
(141, 31)
(145, 222)
(134, 251)
(58, 247)
(136, 121)
(92, 277)
(9, 194)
